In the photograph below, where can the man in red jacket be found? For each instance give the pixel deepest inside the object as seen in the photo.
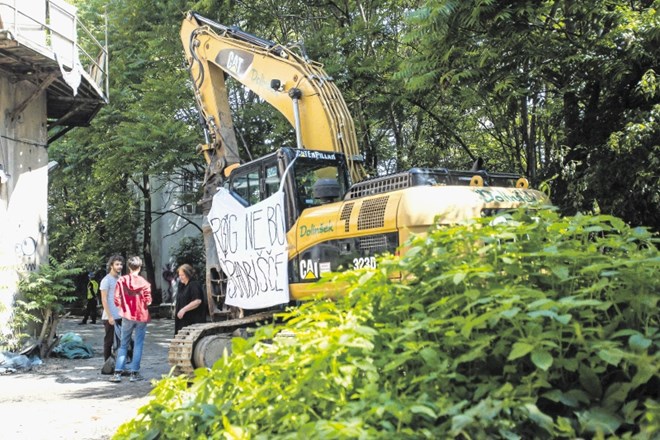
(132, 297)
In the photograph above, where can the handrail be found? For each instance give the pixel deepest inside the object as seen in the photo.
(96, 67)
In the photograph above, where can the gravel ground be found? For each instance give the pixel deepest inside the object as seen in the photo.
(71, 399)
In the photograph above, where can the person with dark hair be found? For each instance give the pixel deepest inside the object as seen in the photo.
(189, 300)
(111, 317)
(132, 297)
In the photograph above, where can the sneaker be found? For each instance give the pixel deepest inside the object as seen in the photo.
(136, 377)
(82, 323)
(116, 377)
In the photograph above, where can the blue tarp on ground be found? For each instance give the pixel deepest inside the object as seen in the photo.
(71, 346)
(10, 362)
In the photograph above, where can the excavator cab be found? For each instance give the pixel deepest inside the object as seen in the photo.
(314, 178)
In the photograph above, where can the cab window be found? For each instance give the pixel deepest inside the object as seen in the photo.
(272, 180)
(318, 183)
(247, 187)
(256, 183)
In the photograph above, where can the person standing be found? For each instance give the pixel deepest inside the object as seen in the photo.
(189, 300)
(133, 297)
(111, 317)
(92, 303)
(169, 275)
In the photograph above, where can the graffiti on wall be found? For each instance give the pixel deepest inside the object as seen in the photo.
(26, 250)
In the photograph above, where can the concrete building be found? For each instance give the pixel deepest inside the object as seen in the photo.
(53, 77)
(177, 221)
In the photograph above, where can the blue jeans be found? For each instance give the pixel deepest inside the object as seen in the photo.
(127, 327)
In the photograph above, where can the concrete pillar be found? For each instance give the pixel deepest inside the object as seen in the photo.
(23, 188)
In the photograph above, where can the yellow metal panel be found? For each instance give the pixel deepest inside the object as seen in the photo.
(316, 225)
(323, 223)
(302, 291)
(422, 206)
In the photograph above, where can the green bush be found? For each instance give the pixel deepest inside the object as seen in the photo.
(39, 306)
(543, 327)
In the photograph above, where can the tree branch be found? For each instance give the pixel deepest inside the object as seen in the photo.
(445, 126)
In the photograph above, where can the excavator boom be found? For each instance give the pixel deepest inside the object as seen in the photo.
(299, 89)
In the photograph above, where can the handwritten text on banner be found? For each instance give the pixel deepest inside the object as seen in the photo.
(252, 249)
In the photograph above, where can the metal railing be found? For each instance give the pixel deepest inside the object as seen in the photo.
(54, 31)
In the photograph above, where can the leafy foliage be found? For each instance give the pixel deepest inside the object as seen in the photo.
(190, 250)
(101, 198)
(544, 85)
(562, 91)
(537, 327)
(40, 302)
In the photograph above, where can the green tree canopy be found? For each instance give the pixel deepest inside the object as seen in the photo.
(554, 84)
(561, 91)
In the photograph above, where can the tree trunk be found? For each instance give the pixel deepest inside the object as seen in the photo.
(398, 140)
(146, 238)
(370, 153)
(527, 130)
(48, 345)
(43, 343)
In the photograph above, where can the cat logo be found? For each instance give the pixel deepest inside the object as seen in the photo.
(309, 269)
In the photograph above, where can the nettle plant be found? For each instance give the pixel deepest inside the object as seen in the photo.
(537, 327)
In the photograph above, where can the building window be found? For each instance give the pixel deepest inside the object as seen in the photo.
(189, 193)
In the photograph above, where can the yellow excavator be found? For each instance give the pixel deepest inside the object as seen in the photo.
(330, 216)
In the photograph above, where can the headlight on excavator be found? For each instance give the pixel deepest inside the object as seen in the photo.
(522, 183)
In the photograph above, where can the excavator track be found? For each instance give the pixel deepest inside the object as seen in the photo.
(183, 345)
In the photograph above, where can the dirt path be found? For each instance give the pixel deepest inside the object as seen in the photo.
(71, 399)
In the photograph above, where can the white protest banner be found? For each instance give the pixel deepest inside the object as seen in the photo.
(252, 250)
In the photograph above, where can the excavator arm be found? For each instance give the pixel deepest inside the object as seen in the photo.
(299, 89)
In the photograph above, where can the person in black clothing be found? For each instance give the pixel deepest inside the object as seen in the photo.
(92, 293)
(189, 300)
